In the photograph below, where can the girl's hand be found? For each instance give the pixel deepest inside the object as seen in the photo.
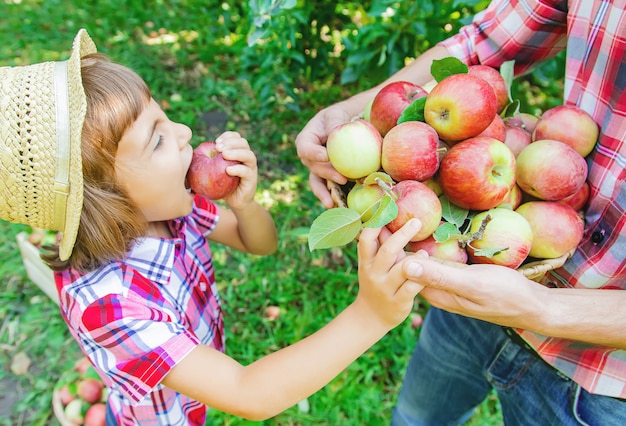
(383, 289)
(236, 148)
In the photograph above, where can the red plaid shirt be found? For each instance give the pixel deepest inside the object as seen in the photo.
(594, 34)
(136, 319)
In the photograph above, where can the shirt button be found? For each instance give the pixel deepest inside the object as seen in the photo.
(597, 237)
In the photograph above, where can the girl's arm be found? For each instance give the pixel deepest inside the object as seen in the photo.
(283, 378)
(246, 226)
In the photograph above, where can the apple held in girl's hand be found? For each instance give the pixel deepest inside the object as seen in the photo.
(207, 173)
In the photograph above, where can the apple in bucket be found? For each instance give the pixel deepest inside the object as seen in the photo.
(207, 174)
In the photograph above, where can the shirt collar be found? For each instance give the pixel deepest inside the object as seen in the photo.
(154, 257)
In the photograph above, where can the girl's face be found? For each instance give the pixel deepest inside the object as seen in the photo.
(151, 165)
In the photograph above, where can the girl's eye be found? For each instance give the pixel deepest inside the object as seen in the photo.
(159, 141)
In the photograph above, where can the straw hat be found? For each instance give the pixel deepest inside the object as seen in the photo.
(42, 109)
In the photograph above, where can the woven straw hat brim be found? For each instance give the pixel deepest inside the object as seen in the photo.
(42, 111)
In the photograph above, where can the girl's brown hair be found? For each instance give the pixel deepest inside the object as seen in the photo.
(109, 220)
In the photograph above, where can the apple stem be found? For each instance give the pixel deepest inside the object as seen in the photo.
(479, 234)
(442, 149)
(387, 188)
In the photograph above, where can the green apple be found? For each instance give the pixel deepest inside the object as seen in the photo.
(507, 232)
(354, 148)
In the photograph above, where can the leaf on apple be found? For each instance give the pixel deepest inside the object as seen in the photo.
(511, 109)
(489, 252)
(333, 228)
(445, 231)
(452, 213)
(414, 111)
(371, 179)
(386, 211)
(442, 68)
(507, 73)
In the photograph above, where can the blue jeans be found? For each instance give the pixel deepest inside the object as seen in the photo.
(458, 360)
(110, 417)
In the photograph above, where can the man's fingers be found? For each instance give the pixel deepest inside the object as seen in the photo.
(433, 273)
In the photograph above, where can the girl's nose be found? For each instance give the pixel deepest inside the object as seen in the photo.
(184, 135)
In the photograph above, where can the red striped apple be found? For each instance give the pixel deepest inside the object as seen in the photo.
(390, 102)
(477, 173)
(496, 129)
(506, 230)
(447, 250)
(354, 148)
(516, 138)
(410, 151)
(207, 173)
(557, 228)
(416, 200)
(568, 124)
(578, 200)
(550, 170)
(460, 107)
(495, 80)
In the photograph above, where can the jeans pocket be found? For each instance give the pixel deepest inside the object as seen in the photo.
(509, 366)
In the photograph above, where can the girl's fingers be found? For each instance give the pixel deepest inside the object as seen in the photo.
(387, 254)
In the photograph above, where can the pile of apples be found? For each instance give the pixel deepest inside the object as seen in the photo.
(489, 183)
(82, 395)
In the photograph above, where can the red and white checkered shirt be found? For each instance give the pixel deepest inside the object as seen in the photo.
(594, 34)
(137, 318)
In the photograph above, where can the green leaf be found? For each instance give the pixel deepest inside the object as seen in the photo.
(386, 212)
(452, 213)
(489, 252)
(511, 109)
(333, 228)
(414, 111)
(442, 68)
(507, 73)
(445, 231)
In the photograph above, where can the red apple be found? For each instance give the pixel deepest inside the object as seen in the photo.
(96, 415)
(65, 395)
(447, 250)
(507, 230)
(477, 173)
(272, 312)
(516, 138)
(390, 102)
(364, 199)
(82, 365)
(460, 107)
(207, 173)
(578, 200)
(416, 200)
(496, 129)
(524, 120)
(513, 198)
(568, 124)
(354, 148)
(410, 151)
(550, 170)
(557, 228)
(90, 390)
(495, 80)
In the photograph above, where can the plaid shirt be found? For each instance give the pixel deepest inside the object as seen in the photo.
(594, 34)
(137, 318)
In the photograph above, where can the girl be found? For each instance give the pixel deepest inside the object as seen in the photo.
(133, 268)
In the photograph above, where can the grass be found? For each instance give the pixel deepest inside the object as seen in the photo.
(197, 81)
